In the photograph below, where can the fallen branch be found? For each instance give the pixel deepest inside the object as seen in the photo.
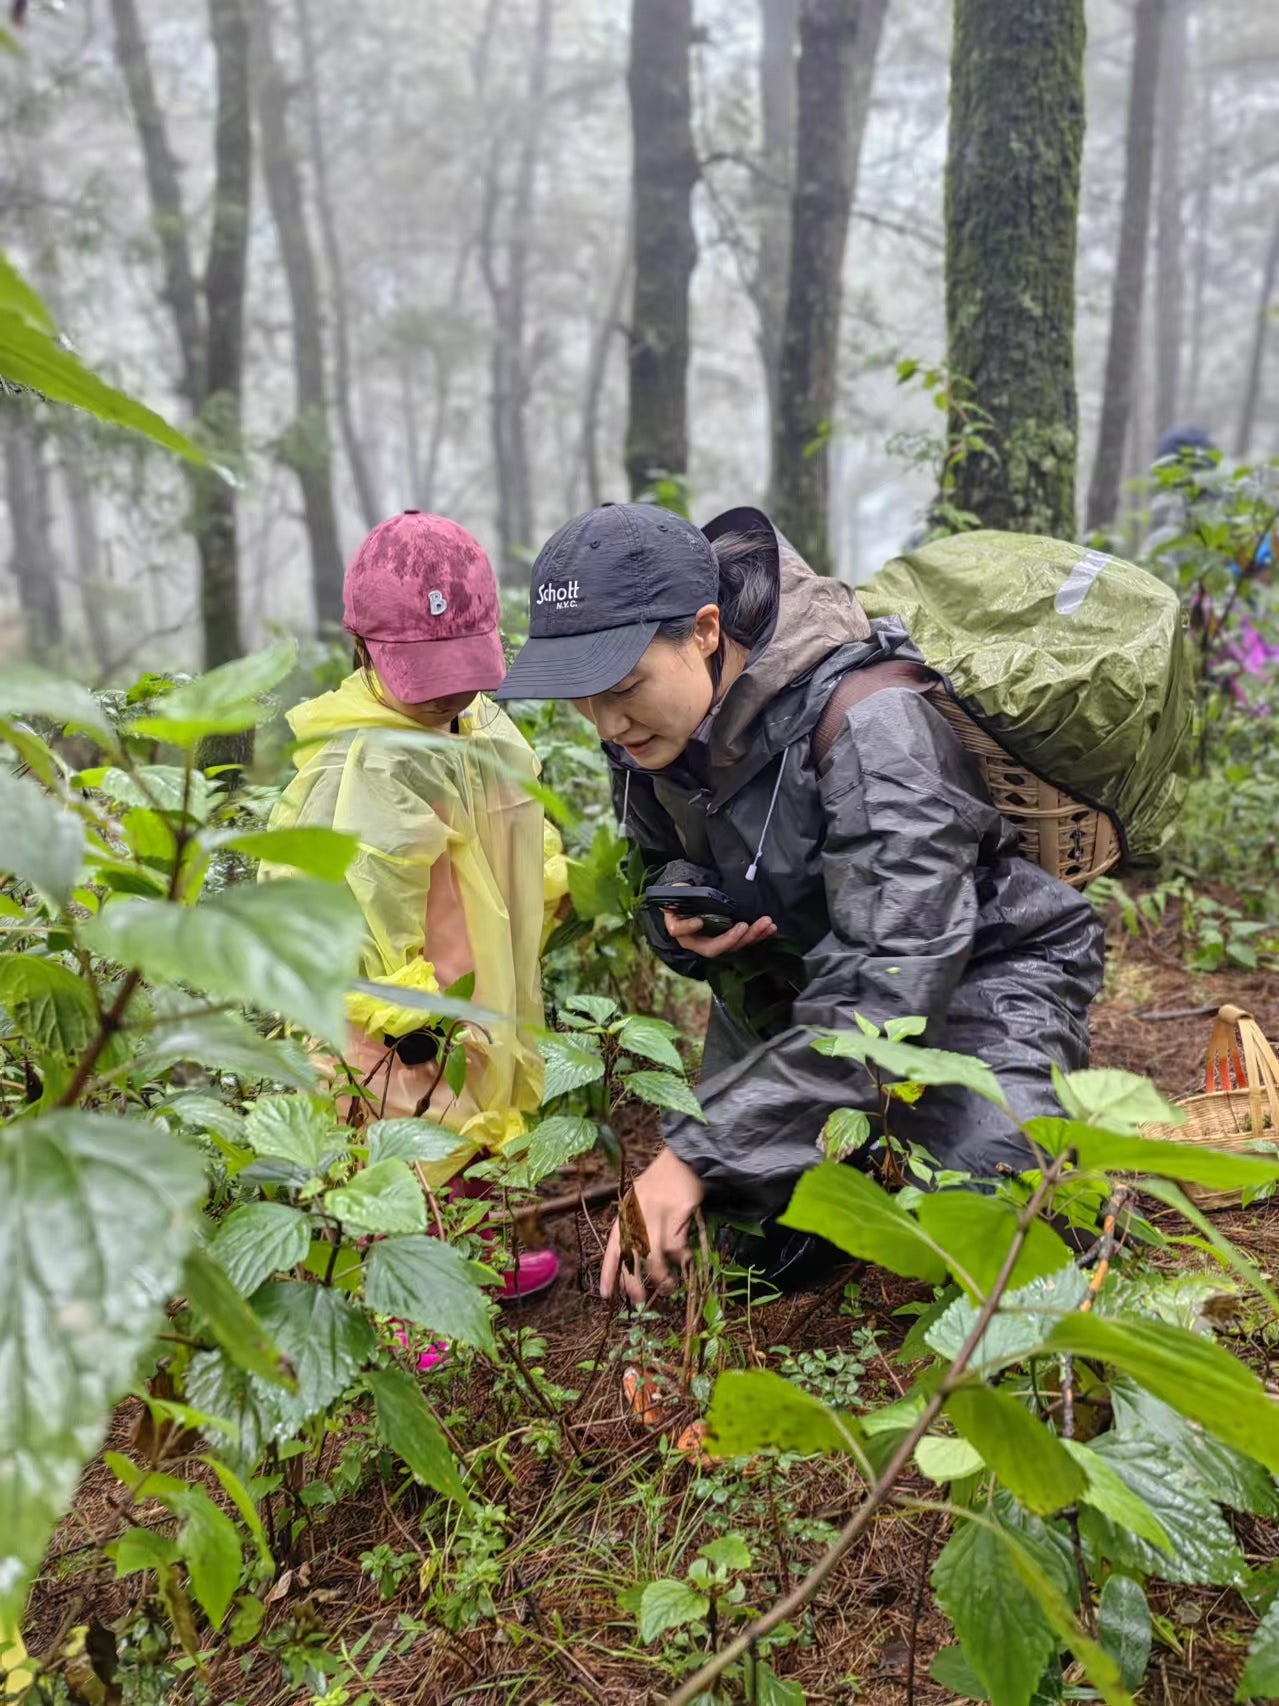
(795, 1601)
(553, 1206)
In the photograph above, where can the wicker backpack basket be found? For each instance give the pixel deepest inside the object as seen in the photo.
(1067, 838)
(1239, 1108)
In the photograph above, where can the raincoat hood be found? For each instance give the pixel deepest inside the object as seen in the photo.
(815, 617)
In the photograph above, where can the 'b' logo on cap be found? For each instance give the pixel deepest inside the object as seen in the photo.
(439, 604)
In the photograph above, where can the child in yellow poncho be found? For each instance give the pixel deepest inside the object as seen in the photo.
(456, 869)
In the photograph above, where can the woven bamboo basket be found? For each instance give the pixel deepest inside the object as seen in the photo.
(1240, 1104)
(1067, 838)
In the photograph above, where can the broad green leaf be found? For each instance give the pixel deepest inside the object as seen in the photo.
(1226, 1475)
(569, 1066)
(41, 842)
(313, 852)
(1023, 1322)
(258, 1240)
(1115, 1101)
(225, 1042)
(773, 1690)
(845, 1132)
(652, 1039)
(755, 1410)
(1028, 1459)
(50, 1006)
(31, 356)
(410, 1140)
(1123, 1625)
(239, 1495)
(664, 1090)
(1108, 1492)
(407, 1425)
(428, 1282)
(216, 1386)
(33, 752)
(325, 1338)
(202, 1113)
(28, 691)
(95, 1216)
(151, 838)
(941, 1459)
(912, 1064)
(1194, 1375)
(599, 1009)
(977, 1232)
(951, 1670)
(141, 1549)
(286, 947)
(250, 1614)
(553, 1143)
(232, 1322)
(897, 1030)
(294, 1128)
(668, 1604)
(1006, 1638)
(224, 701)
(210, 1546)
(854, 1213)
(1204, 1550)
(1260, 1679)
(385, 1197)
(1114, 1153)
(164, 787)
(730, 1551)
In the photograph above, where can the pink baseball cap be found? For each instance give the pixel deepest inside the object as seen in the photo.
(420, 592)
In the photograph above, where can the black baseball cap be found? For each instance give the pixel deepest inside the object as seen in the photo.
(601, 588)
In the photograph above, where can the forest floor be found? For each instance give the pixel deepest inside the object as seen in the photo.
(623, 1506)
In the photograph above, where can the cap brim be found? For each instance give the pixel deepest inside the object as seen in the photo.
(576, 666)
(417, 671)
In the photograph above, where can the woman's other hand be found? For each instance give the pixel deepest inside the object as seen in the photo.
(668, 1192)
(691, 934)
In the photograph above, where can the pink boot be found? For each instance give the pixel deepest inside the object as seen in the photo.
(534, 1271)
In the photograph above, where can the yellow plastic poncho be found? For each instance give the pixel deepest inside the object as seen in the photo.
(456, 872)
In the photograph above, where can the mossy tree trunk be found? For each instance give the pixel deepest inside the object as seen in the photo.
(664, 173)
(838, 40)
(1012, 202)
(1124, 347)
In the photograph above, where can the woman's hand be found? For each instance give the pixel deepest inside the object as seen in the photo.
(668, 1192)
(690, 934)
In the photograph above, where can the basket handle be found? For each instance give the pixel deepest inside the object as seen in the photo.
(1257, 1071)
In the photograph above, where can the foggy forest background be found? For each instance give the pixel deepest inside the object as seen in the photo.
(456, 183)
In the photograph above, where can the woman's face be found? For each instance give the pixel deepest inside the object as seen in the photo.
(654, 711)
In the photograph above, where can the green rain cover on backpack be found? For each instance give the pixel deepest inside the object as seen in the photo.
(1073, 660)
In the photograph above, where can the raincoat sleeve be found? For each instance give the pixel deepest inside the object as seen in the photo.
(904, 821)
(642, 817)
(555, 878)
(400, 838)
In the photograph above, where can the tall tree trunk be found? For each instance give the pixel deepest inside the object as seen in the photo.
(838, 40)
(224, 281)
(664, 171)
(1201, 221)
(1257, 357)
(1123, 351)
(775, 181)
(1012, 205)
(361, 474)
(168, 215)
(307, 444)
(508, 289)
(87, 545)
(33, 561)
(597, 370)
(1168, 272)
(210, 346)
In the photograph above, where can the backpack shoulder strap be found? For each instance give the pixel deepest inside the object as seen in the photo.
(859, 684)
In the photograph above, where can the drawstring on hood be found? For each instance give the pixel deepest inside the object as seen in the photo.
(753, 867)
